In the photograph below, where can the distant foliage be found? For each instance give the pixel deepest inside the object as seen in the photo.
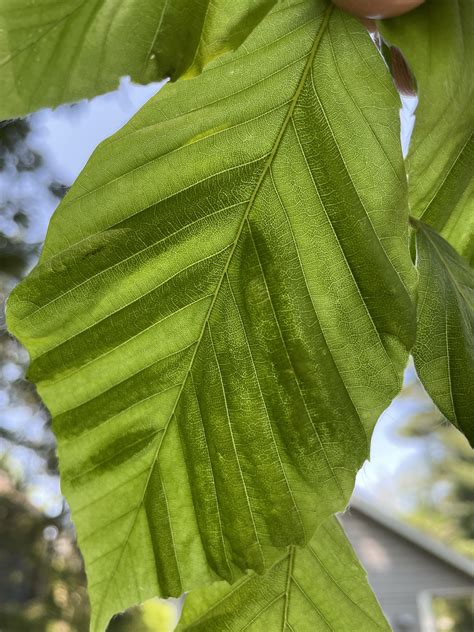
(444, 494)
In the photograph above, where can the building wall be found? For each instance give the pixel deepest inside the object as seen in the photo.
(398, 570)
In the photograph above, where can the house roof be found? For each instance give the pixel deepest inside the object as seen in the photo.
(413, 535)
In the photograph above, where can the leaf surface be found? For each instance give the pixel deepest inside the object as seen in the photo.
(437, 41)
(223, 309)
(313, 589)
(64, 51)
(444, 350)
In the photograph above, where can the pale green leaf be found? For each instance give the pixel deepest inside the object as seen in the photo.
(223, 309)
(313, 589)
(444, 350)
(437, 40)
(60, 51)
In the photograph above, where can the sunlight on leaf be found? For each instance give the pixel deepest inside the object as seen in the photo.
(60, 52)
(223, 309)
(318, 588)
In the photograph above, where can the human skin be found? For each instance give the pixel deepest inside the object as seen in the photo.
(377, 8)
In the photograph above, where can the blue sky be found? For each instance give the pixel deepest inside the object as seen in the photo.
(69, 134)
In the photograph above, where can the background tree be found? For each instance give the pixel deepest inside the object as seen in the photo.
(42, 579)
(442, 491)
(28, 195)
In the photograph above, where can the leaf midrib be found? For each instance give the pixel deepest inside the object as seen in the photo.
(256, 190)
(269, 161)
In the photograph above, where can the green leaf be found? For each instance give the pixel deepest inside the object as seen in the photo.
(313, 589)
(444, 350)
(64, 51)
(451, 210)
(437, 41)
(223, 309)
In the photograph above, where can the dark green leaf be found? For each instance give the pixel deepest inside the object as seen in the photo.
(444, 350)
(63, 51)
